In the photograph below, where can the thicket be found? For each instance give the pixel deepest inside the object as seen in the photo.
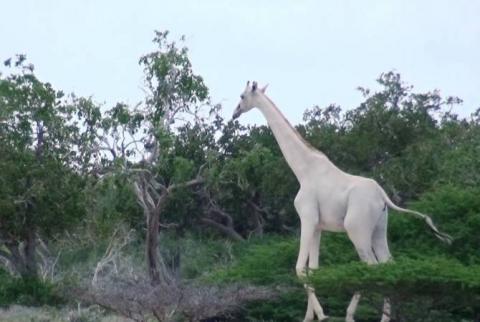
(26, 291)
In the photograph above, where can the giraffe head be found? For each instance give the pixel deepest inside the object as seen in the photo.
(249, 99)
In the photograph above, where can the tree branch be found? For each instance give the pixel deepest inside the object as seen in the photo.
(229, 231)
(224, 215)
(198, 180)
(5, 255)
(147, 204)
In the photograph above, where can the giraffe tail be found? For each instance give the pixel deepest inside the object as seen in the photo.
(440, 235)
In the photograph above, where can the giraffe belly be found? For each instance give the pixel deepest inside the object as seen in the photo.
(331, 223)
(332, 216)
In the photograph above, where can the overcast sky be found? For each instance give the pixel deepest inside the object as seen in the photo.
(310, 52)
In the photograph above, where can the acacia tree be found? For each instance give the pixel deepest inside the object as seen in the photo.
(138, 141)
(175, 94)
(39, 191)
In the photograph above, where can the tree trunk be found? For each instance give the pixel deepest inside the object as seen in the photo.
(151, 208)
(29, 261)
(151, 247)
(153, 202)
(15, 258)
(152, 244)
(21, 258)
(30, 247)
(29, 233)
(258, 220)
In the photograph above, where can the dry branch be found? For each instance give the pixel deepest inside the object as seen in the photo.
(191, 302)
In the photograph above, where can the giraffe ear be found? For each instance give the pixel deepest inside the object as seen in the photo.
(254, 86)
(264, 89)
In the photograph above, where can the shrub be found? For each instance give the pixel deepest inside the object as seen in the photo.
(455, 210)
(26, 291)
(417, 288)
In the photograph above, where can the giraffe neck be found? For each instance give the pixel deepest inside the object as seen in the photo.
(295, 149)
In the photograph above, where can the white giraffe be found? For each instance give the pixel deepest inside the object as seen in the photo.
(329, 199)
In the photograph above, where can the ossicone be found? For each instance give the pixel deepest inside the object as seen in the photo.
(255, 87)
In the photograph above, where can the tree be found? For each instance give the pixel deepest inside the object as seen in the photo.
(175, 93)
(138, 142)
(40, 192)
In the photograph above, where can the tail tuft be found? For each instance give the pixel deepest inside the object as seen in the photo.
(445, 238)
(442, 236)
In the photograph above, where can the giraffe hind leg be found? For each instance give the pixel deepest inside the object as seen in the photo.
(359, 229)
(382, 252)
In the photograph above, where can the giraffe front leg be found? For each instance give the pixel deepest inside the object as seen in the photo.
(307, 211)
(307, 230)
(313, 258)
(310, 314)
(352, 307)
(306, 236)
(309, 249)
(314, 307)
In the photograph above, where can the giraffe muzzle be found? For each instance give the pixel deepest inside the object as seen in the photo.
(236, 114)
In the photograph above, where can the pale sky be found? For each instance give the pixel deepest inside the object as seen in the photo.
(310, 52)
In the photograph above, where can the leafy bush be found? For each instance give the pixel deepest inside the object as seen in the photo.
(26, 291)
(271, 261)
(446, 288)
(442, 286)
(193, 256)
(267, 261)
(455, 210)
(289, 306)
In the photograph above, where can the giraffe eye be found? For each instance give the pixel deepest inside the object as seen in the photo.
(242, 96)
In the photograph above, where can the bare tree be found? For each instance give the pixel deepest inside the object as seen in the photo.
(153, 196)
(118, 241)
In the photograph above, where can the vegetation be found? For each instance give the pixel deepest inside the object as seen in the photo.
(26, 291)
(139, 208)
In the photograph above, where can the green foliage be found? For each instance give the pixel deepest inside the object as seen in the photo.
(439, 283)
(26, 291)
(460, 162)
(194, 256)
(266, 261)
(111, 204)
(456, 210)
(171, 81)
(40, 182)
(288, 306)
(421, 276)
(271, 260)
